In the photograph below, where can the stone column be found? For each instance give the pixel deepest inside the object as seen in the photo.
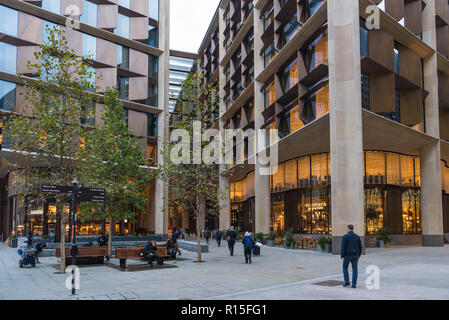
(262, 182)
(161, 188)
(431, 196)
(346, 132)
(224, 192)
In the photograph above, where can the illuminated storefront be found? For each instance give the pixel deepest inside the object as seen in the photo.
(301, 194)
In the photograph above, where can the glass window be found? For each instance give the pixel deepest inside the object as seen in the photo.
(304, 172)
(277, 212)
(290, 75)
(123, 3)
(277, 180)
(181, 64)
(375, 168)
(418, 172)
(313, 6)
(294, 120)
(9, 21)
(270, 95)
(123, 87)
(269, 54)
(8, 57)
(177, 77)
(407, 171)
(153, 9)
(318, 51)
(152, 99)
(153, 66)
(122, 57)
(152, 125)
(290, 172)
(365, 91)
(89, 46)
(290, 29)
(319, 169)
(153, 36)
(7, 95)
(411, 215)
(374, 210)
(89, 15)
(52, 5)
(393, 173)
(364, 49)
(122, 26)
(319, 102)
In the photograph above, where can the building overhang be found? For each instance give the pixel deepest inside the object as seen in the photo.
(380, 133)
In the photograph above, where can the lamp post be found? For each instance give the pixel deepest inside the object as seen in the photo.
(74, 249)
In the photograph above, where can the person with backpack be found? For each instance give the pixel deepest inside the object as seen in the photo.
(231, 235)
(248, 245)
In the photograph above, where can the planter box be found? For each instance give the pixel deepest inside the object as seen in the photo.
(327, 248)
(270, 243)
(13, 243)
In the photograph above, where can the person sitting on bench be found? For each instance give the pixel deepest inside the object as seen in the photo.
(150, 252)
(171, 248)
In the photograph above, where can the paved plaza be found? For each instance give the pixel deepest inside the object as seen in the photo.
(405, 273)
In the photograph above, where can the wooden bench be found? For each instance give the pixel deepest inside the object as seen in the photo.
(134, 253)
(87, 255)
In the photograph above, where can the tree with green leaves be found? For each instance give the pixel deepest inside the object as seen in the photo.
(47, 133)
(113, 160)
(192, 184)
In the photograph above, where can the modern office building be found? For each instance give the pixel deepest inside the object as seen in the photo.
(180, 64)
(128, 42)
(361, 111)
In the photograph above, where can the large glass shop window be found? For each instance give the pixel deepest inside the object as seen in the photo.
(374, 210)
(375, 168)
(277, 212)
(315, 210)
(411, 213)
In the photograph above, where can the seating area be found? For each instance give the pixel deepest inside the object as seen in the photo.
(86, 255)
(305, 243)
(134, 253)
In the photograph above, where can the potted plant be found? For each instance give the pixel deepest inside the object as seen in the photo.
(324, 244)
(289, 241)
(259, 237)
(13, 241)
(271, 237)
(383, 238)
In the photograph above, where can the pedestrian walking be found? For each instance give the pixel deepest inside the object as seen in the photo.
(231, 235)
(351, 250)
(52, 237)
(218, 237)
(207, 235)
(248, 245)
(183, 233)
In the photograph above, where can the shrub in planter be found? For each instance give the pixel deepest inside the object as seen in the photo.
(383, 237)
(289, 238)
(271, 237)
(259, 237)
(324, 243)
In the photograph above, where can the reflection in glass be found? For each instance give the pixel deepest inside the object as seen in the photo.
(8, 57)
(411, 218)
(7, 95)
(9, 21)
(277, 212)
(89, 15)
(122, 26)
(374, 210)
(153, 9)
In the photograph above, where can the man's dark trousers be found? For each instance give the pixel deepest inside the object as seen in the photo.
(354, 261)
(231, 247)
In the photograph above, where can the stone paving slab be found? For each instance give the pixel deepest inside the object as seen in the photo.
(406, 273)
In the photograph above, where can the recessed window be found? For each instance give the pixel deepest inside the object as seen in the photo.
(9, 21)
(89, 15)
(122, 26)
(7, 95)
(8, 57)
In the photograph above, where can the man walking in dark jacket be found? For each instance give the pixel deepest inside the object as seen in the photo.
(351, 250)
(231, 235)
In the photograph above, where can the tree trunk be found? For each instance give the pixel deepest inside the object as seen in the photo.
(110, 237)
(61, 213)
(201, 203)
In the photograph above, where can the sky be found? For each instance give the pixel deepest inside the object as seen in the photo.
(189, 20)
